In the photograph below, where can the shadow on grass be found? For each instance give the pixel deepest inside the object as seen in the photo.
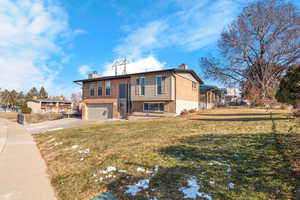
(238, 114)
(250, 161)
(239, 119)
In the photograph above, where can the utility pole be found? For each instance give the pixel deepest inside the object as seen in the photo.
(120, 62)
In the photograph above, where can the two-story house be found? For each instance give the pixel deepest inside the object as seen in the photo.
(164, 92)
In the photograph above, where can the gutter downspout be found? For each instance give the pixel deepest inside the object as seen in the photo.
(175, 95)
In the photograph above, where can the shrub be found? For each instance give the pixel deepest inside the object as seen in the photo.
(192, 111)
(26, 110)
(184, 112)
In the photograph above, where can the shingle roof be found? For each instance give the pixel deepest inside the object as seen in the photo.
(150, 72)
(208, 87)
(49, 101)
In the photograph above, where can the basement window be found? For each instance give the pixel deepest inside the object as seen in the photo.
(154, 107)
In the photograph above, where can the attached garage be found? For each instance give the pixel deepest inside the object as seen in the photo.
(99, 111)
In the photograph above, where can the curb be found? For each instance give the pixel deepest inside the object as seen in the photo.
(3, 136)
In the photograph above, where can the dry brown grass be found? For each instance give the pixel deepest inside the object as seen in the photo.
(200, 138)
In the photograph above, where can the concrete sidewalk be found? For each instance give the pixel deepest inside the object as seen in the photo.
(58, 125)
(22, 170)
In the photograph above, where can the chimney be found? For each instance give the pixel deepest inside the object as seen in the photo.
(183, 66)
(94, 75)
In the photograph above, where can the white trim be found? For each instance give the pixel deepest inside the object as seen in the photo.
(188, 105)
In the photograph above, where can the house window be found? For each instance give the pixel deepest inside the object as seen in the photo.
(194, 85)
(142, 82)
(158, 85)
(107, 88)
(99, 88)
(123, 90)
(154, 107)
(137, 86)
(92, 89)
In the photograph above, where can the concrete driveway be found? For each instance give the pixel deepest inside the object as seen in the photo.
(23, 174)
(57, 125)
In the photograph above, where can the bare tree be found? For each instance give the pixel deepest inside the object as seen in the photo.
(76, 97)
(258, 47)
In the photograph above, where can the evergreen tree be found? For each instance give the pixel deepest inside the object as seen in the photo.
(289, 89)
(33, 92)
(43, 94)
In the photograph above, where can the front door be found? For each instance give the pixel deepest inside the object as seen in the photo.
(124, 99)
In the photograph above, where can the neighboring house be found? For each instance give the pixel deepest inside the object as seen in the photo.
(164, 92)
(232, 95)
(209, 97)
(48, 105)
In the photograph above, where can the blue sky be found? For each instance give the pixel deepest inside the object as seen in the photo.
(53, 42)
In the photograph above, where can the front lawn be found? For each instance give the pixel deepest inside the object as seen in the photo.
(214, 154)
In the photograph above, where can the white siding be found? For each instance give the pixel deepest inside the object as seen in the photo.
(188, 105)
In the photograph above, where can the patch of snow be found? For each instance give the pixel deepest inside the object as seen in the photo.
(107, 170)
(81, 159)
(55, 129)
(156, 168)
(229, 170)
(110, 176)
(134, 189)
(102, 172)
(72, 147)
(84, 151)
(215, 163)
(58, 143)
(121, 171)
(149, 172)
(191, 192)
(212, 182)
(231, 185)
(236, 155)
(111, 169)
(139, 169)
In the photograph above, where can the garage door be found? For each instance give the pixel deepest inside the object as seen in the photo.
(99, 111)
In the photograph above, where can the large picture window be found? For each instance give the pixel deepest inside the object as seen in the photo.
(99, 88)
(154, 107)
(107, 88)
(92, 89)
(158, 85)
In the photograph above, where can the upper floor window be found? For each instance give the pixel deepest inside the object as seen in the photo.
(99, 88)
(92, 89)
(137, 86)
(107, 88)
(194, 85)
(158, 85)
(142, 82)
(123, 90)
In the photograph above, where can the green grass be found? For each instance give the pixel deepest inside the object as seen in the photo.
(241, 146)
